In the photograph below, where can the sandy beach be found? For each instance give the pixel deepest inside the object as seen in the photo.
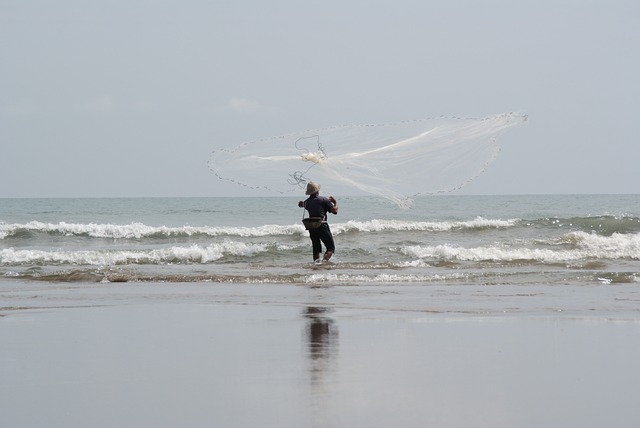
(240, 355)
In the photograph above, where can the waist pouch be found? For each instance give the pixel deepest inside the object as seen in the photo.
(312, 223)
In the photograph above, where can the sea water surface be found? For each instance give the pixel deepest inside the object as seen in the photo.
(480, 240)
(574, 239)
(483, 311)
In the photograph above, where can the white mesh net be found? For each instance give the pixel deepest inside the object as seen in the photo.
(391, 160)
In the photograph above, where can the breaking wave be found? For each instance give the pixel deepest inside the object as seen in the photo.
(175, 254)
(583, 246)
(141, 231)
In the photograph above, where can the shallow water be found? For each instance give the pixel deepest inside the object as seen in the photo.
(496, 311)
(287, 356)
(508, 240)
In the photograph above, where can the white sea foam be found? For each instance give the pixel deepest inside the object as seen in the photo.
(190, 254)
(439, 226)
(141, 231)
(586, 246)
(618, 245)
(379, 278)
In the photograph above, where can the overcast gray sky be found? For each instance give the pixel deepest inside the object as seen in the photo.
(129, 97)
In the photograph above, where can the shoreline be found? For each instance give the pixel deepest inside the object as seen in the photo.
(590, 301)
(161, 355)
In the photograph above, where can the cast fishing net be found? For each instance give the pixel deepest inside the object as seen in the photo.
(390, 160)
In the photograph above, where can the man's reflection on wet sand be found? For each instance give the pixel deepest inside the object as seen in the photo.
(322, 342)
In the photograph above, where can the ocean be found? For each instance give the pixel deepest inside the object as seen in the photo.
(484, 311)
(446, 239)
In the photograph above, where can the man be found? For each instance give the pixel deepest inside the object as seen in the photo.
(318, 206)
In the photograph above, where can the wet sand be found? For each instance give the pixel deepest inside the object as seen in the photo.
(240, 355)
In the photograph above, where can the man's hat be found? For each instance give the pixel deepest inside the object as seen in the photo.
(312, 188)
